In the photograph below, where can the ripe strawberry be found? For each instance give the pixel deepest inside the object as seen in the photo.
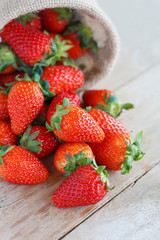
(31, 20)
(29, 44)
(7, 60)
(56, 19)
(63, 78)
(58, 100)
(4, 116)
(6, 135)
(117, 151)
(105, 100)
(81, 39)
(72, 124)
(87, 185)
(10, 78)
(19, 166)
(70, 156)
(39, 141)
(25, 101)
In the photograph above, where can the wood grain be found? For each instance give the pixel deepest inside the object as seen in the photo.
(27, 211)
(132, 215)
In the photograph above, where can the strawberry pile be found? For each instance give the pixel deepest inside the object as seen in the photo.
(41, 112)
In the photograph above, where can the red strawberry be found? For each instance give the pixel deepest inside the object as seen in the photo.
(105, 100)
(56, 19)
(25, 101)
(63, 78)
(31, 20)
(87, 185)
(58, 100)
(21, 167)
(3, 106)
(7, 59)
(38, 140)
(81, 39)
(70, 156)
(6, 79)
(6, 135)
(73, 124)
(117, 151)
(29, 44)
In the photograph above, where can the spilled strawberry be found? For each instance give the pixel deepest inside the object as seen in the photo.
(105, 100)
(19, 166)
(117, 151)
(72, 124)
(25, 100)
(39, 141)
(87, 185)
(63, 78)
(70, 156)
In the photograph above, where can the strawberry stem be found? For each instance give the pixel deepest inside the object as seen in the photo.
(27, 140)
(57, 117)
(113, 108)
(75, 162)
(133, 153)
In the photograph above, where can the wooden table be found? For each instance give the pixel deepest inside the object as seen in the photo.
(132, 210)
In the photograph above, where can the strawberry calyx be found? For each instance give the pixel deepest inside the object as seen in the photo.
(43, 84)
(64, 13)
(27, 140)
(61, 110)
(7, 57)
(3, 151)
(113, 108)
(75, 162)
(103, 172)
(58, 51)
(84, 34)
(4, 90)
(29, 17)
(133, 153)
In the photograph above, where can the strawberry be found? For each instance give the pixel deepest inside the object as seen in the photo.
(7, 60)
(10, 78)
(56, 19)
(6, 135)
(87, 185)
(25, 100)
(31, 20)
(105, 100)
(58, 100)
(29, 44)
(39, 141)
(63, 78)
(72, 124)
(70, 156)
(3, 106)
(117, 151)
(19, 166)
(81, 39)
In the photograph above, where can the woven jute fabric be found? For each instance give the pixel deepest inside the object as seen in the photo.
(97, 66)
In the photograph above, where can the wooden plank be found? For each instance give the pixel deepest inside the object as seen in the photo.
(27, 212)
(132, 215)
(138, 26)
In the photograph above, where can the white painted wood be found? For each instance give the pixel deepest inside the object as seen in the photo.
(132, 215)
(31, 214)
(138, 26)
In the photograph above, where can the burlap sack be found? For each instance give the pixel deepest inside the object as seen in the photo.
(97, 66)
